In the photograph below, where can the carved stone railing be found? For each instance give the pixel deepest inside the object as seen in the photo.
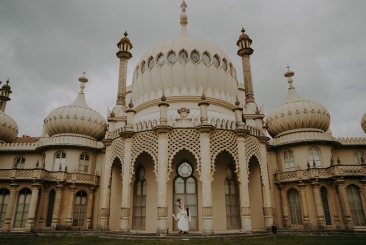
(352, 141)
(44, 175)
(322, 173)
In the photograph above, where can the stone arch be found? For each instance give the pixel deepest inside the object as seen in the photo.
(117, 152)
(179, 139)
(223, 141)
(252, 148)
(135, 165)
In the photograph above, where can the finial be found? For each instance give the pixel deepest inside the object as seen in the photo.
(237, 102)
(203, 96)
(163, 98)
(7, 81)
(289, 74)
(242, 30)
(66, 168)
(256, 110)
(125, 34)
(130, 105)
(183, 15)
(37, 164)
(82, 81)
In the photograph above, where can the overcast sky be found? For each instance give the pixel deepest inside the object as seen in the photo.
(46, 45)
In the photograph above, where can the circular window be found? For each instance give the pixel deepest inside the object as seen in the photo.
(172, 57)
(206, 58)
(183, 56)
(216, 61)
(185, 169)
(151, 62)
(195, 57)
(142, 66)
(160, 60)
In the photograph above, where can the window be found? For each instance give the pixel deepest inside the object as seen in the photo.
(232, 200)
(206, 58)
(143, 66)
(60, 160)
(150, 63)
(20, 162)
(195, 57)
(185, 187)
(289, 161)
(355, 204)
(183, 56)
(171, 57)
(160, 60)
(84, 163)
(314, 156)
(224, 64)
(139, 200)
(216, 60)
(21, 214)
(323, 193)
(80, 209)
(359, 158)
(4, 199)
(295, 207)
(51, 201)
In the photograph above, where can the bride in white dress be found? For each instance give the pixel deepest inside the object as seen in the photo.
(182, 218)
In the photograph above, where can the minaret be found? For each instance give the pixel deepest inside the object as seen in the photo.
(244, 52)
(5, 91)
(124, 47)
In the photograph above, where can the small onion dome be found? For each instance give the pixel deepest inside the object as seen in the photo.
(363, 123)
(125, 39)
(297, 114)
(244, 36)
(8, 128)
(76, 118)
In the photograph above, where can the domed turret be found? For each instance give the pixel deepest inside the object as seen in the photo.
(8, 128)
(76, 118)
(297, 114)
(363, 123)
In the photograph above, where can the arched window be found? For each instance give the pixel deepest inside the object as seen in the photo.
(195, 56)
(232, 200)
(21, 214)
(60, 160)
(289, 161)
(314, 156)
(324, 195)
(185, 188)
(4, 199)
(359, 158)
(216, 60)
(160, 59)
(51, 202)
(79, 209)
(150, 63)
(183, 56)
(206, 57)
(139, 200)
(84, 163)
(171, 57)
(295, 207)
(20, 162)
(355, 204)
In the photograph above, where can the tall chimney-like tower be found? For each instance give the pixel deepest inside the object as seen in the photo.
(124, 47)
(5, 92)
(244, 52)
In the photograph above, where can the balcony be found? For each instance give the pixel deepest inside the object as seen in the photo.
(322, 173)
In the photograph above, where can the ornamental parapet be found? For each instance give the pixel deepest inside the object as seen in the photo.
(51, 176)
(322, 173)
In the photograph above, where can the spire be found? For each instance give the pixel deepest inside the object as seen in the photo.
(289, 74)
(183, 19)
(82, 81)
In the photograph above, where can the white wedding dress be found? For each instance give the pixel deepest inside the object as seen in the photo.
(183, 221)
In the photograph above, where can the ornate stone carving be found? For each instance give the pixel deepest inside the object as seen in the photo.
(223, 141)
(207, 211)
(267, 211)
(125, 212)
(245, 211)
(183, 112)
(162, 211)
(180, 139)
(117, 151)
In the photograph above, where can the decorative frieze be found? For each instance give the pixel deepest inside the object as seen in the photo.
(207, 211)
(245, 211)
(162, 211)
(125, 212)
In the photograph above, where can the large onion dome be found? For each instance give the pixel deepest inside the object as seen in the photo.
(297, 114)
(363, 123)
(184, 66)
(8, 128)
(76, 118)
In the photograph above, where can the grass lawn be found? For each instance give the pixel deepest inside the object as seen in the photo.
(281, 239)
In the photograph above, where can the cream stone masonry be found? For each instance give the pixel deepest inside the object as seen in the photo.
(190, 131)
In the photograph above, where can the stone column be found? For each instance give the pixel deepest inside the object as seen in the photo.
(319, 205)
(70, 207)
(89, 208)
(11, 204)
(56, 207)
(246, 222)
(348, 224)
(284, 202)
(267, 205)
(106, 188)
(332, 204)
(43, 204)
(126, 183)
(304, 204)
(163, 131)
(363, 192)
(32, 207)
